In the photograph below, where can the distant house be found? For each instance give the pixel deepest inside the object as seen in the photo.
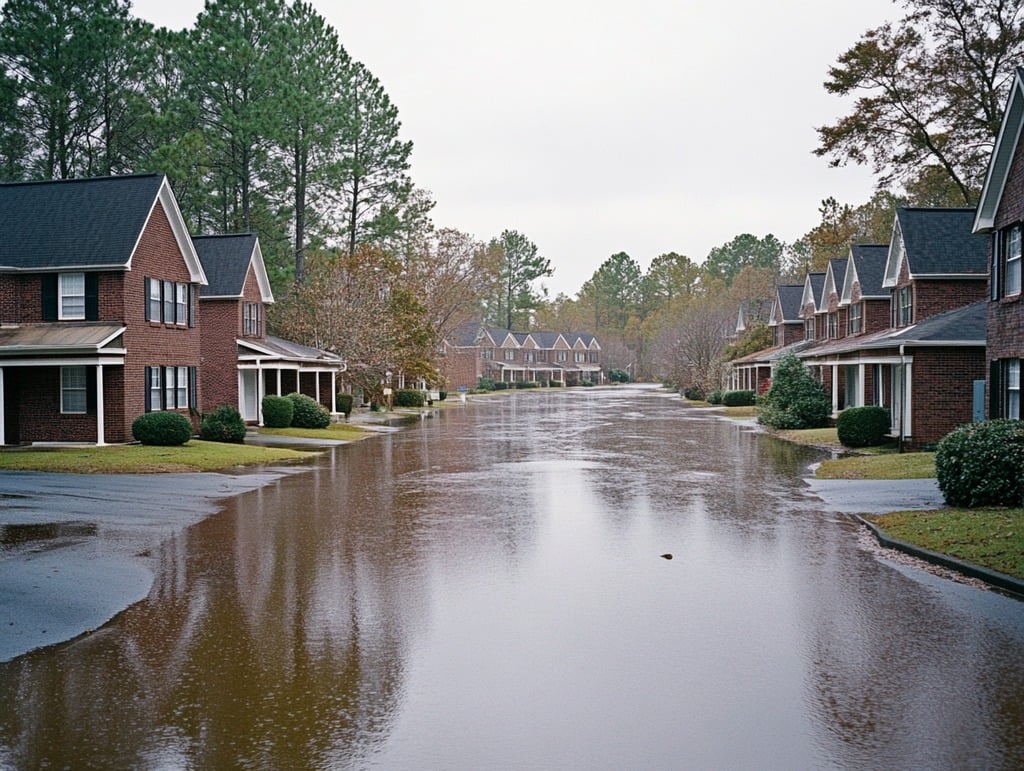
(476, 351)
(1000, 215)
(98, 322)
(753, 371)
(241, 362)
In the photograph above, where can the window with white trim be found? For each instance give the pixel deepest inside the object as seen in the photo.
(71, 301)
(833, 326)
(562, 356)
(579, 357)
(904, 307)
(251, 319)
(181, 304)
(510, 354)
(1013, 261)
(73, 390)
(153, 300)
(155, 388)
(169, 388)
(181, 387)
(809, 329)
(855, 319)
(168, 316)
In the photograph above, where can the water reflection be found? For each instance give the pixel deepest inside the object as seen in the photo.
(485, 590)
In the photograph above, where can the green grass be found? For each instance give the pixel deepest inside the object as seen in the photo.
(815, 437)
(334, 432)
(908, 465)
(992, 538)
(741, 413)
(195, 455)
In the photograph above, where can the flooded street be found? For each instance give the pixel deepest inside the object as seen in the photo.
(486, 590)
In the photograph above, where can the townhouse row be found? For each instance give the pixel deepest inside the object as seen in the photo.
(929, 326)
(110, 308)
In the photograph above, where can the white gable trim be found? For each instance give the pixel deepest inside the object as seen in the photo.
(260, 269)
(897, 254)
(846, 296)
(181, 235)
(808, 296)
(1002, 157)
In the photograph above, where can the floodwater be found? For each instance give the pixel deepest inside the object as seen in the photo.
(486, 590)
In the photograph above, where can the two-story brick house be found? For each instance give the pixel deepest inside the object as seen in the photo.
(753, 371)
(923, 365)
(1000, 216)
(476, 351)
(241, 362)
(98, 318)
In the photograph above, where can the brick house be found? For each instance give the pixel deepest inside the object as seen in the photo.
(924, 364)
(241, 363)
(98, 318)
(753, 371)
(1000, 215)
(475, 351)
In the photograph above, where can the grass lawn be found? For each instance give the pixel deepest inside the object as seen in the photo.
(907, 465)
(335, 432)
(993, 538)
(195, 455)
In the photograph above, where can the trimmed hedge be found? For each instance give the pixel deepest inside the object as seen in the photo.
(224, 424)
(715, 397)
(738, 398)
(409, 397)
(344, 402)
(308, 413)
(795, 400)
(277, 411)
(862, 426)
(162, 429)
(982, 464)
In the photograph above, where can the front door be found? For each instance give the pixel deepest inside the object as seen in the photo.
(248, 395)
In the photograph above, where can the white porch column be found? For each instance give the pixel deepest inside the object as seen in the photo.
(279, 382)
(3, 408)
(908, 389)
(316, 381)
(861, 380)
(260, 388)
(101, 435)
(334, 391)
(835, 388)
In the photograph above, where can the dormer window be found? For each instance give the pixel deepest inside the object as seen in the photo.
(72, 296)
(904, 307)
(252, 318)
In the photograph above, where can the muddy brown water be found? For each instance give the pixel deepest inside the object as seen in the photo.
(486, 590)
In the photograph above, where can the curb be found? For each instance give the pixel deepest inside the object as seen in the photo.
(992, 577)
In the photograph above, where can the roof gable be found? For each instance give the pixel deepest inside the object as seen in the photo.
(835, 275)
(866, 267)
(936, 242)
(228, 260)
(1002, 157)
(787, 305)
(813, 284)
(86, 224)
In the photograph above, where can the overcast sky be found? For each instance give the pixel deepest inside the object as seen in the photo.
(603, 126)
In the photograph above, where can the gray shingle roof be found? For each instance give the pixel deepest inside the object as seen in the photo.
(817, 288)
(838, 266)
(870, 260)
(225, 261)
(789, 300)
(78, 223)
(940, 241)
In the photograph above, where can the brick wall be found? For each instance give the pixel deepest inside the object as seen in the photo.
(943, 390)
(218, 375)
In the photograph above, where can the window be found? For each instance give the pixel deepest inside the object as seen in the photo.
(904, 307)
(510, 354)
(542, 355)
(833, 326)
(72, 296)
(579, 357)
(251, 318)
(562, 356)
(1013, 260)
(855, 324)
(593, 358)
(529, 356)
(73, 385)
(809, 329)
(1013, 389)
(486, 353)
(169, 388)
(181, 304)
(153, 300)
(168, 317)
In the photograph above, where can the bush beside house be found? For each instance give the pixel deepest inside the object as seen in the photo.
(277, 411)
(162, 429)
(862, 426)
(307, 413)
(796, 400)
(224, 424)
(982, 464)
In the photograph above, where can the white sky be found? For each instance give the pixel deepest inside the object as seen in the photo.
(600, 126)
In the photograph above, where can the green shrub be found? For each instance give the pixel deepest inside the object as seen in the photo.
(586, 383)
(694, 393)
(163, 429)
(862, 426)
(527, 384)
(408, 397)
(499, 385)
(618, 376)
(442, 395)
(224, 424)
(554, 384)
(308, 413)
(277, 411)
(795, 400)
(344, 402)
(715, 397)
(982, 464)
(485, 384)
(738, 398)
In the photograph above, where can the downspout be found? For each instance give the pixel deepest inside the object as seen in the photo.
(903, 396)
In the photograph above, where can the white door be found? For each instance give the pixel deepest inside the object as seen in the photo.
(248, 395)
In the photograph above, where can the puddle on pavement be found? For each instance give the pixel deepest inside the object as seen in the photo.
(14, 536)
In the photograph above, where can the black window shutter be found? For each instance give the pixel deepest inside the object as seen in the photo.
(49, 297)
(997, 238)
(145, 302)
(995, 387)
(192, 288)
(193, 384)
(90, 390)
(92, 297)
(149, 377)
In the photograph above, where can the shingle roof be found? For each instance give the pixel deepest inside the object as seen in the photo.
(940, 241)
(838, 267)
(79, 223)
(869, 260)
(226, 263)
(789, 300)
(817, 288)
